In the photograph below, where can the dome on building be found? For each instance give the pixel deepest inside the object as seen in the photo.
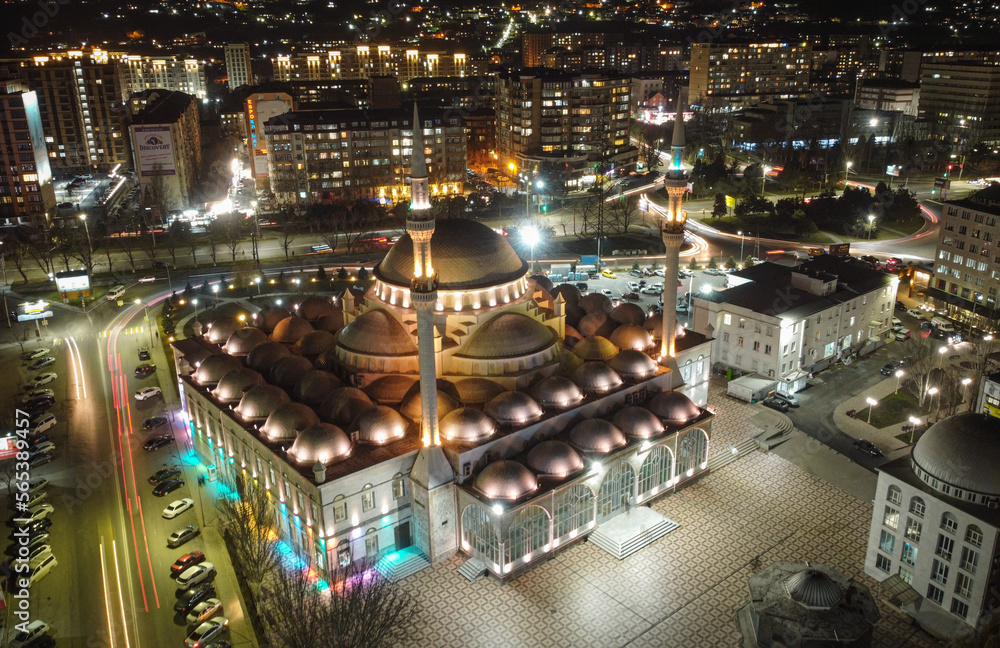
(630, 336)
(961, 451)
(288, 371)
(343, 405)
(633, 364)
(258, 402)
(572, 335)
(467, 254)
(444, 386)
(654, 324)
(264, 356)
(236, 383)
(290, 330)
(813, 589)
(595, 348)
(574, 314)
(328, 360)
(596, 324)
(412, 408)
(674, 408)
(570, 293)
(596, 377)
(213, 368)
(244, 340)
(314, 386)
(285, 422)
(554, 459)
(638, 423)
(331, 322)
(467, 425)
(380, 425)
(595, 302)
(377, 333)
(542, 282)
(508, 335)
(505, 480)
(322, 442)
(314, 343)
(557, 392)
(389, 389)
(476, 391)
(514, 408)
(268, 318)
(312, 308)
(218, 330)
(597, 436)
(628, 313)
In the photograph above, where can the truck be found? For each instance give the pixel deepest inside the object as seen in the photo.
(751, 387)
(588, 261)
(559, 271)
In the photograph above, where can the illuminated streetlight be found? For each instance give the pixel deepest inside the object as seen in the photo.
(899, 374)
(932, 391)
(941, 352)
(530, 236)
(195, 302)
(90, 246)
(871, 225)
(871, 405)
(741, 245)
(965, 388)
(914, 422)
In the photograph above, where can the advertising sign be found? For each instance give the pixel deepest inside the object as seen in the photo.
(8, 447)
(840, 249)
(154, 150)
(72, 281)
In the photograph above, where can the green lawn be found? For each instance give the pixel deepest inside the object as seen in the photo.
(893, 409)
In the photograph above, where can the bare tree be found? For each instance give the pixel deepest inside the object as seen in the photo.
(248, 522)
(357, 222)
(983, 357)
(288, 225)
(920, 368)
(18, 252)
(160, 195)
(231, 229)
(174, 237)
(80, 246)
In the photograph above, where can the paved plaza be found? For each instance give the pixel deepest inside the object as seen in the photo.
(684, 589)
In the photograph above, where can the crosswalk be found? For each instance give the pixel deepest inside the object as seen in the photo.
(130, 330)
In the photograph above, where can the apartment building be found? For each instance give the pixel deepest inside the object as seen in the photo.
(364, 61)
(239, 68)
(730, 76)
(26, 190)
(326, 155)
(960, 102)
(560, 124)
(166, 138)
(785, 322)
(967, 263)
(185, 75)
(260, 107)
(887, 95)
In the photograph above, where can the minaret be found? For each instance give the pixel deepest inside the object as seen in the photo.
(672, 232)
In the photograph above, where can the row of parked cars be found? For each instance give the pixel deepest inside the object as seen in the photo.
(30, 541)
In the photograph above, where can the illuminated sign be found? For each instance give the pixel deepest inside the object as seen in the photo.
(33, 308)
(8, 447)
(72, 281)
(252, 116)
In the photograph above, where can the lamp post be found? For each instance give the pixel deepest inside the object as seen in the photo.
(914, 422)
(932, 391)
(86, 227)
(943, 350)
(871, 225)
(149, 327)
(871, 405)
(961, 166)
(530, 236)
(215, 295)
(740, 232)
(899, 374)
(847, 170)
(763, 176)
(965, 388)
(257, 281)
(195, 302)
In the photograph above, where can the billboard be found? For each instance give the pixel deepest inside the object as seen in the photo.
(72, 281)
(840, 249)
(154, 150)
(28, 311)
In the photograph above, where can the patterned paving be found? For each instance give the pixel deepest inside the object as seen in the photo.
(681, 591)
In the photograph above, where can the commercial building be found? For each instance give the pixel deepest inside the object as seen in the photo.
(933, 537)
(166, 138)
(960, 103)
(259, 107)
(328, 154)
(560, 124)
(786, 322)
(364, 61)
(239, 67)
(730, 76)
(988, 399)
(794, 124)
(888, 96)
(27, 194)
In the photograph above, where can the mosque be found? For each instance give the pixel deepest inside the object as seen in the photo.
(458, 406)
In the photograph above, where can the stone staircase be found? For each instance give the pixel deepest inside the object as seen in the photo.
(472, 569)
(399, 564)
(732, 453)
(776, 436)
(629, 532)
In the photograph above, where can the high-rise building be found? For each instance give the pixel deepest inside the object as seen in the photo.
(560, 125)
(364, 61)
(239, 68)
(260, 107)
(26, 190)
(727, 76)
(166, 138)
(185, 75)
(960, 102)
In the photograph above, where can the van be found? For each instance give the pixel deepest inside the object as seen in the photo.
(44, 423)
(942, 324)
(116, 293)
(40, 567)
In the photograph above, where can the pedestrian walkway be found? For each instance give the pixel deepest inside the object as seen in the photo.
(858, 428)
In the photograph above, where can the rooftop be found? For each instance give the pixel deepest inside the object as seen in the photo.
(165, 109)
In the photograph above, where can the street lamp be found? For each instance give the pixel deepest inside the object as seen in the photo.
(943, 350)
(965, 388)
(740, 232)
(914, 422)
(932, 391)
(149, 327)
(215, 294)
(257, 281)
(86, 227)
(899, 374)
(871, 225)
(871, 405)
(763, 176)
(961, 166)
(847, 171)
(530, 236)
(195, 302)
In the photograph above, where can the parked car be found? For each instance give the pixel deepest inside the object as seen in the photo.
(36, 514)
(36, 539)
(185, 561)
(926, 326)
(143, 354)
(163, 474)
(42, 447)
(42, 379)
(158, 442)
(211, 629)
(41, 363)
(42, 424)
(890, 368)
(195, 575)
(35, 528)
(34, 394)
(145, 370)
(154, 422)
(775, 404)
(633, 286)
(913, 312)
(147, 392)
(867, 446)
(791, 400)
(900, 306)
(630, 296)
(582, 286)
(897, 324)
(39, 459)
(168, 486)
(147, 279)
(31, 632)
(684, 273)
(652, 290)
(177, 507)
(608, 274)
(36, 485)
(204, 611)
(902, 335)
(36, 354)
(182, 535)
(192, 597)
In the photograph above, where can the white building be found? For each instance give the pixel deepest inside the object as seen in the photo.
(238, 65)
(935, 523)
(785, 322)
(185, 75)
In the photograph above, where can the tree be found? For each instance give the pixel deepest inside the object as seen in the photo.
(719, 209)
(174, 237)
(159, 195)
(920, 369)
(288, 224)
(248, 524)
(712, 263)
(320, 273)
(731, 263)
(17, 251)
(231, 230)
(982, 358)
(362, 274)
(693, 265)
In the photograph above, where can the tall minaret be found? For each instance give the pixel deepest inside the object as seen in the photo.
(672, 231)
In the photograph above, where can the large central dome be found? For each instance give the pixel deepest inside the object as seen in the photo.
(466, 254)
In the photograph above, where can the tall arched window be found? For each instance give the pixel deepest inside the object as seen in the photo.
(917, 506)
(617, 491)
(657, 469)
(974, 535)
(574, 511)
(692, 452)
(528, 533)
(480, 535)
(895, 496)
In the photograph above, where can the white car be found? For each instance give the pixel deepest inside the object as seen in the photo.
(194, 575)
(208, 631)
(651, 290)
(147, 393)
(42, 379)
(36, 354)
(205, 611)
(39, 512)
(177, 507)
(607, 292)
(912, 312)
(658, 272)
(633, 286)
(34, 630)
(43, 447)
(147, 279)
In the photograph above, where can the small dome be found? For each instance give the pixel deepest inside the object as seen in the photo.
(630, 336)
(554, 459)
(287, 421)
(654, 324)
(508, 335)
(557, 392)
(343, 405)
(628, 313)
(813, 589)
(476, 391)
(236, 383)
(596, 324)
(514, 408)
(595, 348)
(243, 341)
(572, 334)
(314, 386)
(219, 330)
(331, 322)
(444, 386)
(574, 314)
(597, 436)
(290, 330)
(312, 308)
(962, 451)
(322, 442)
(467, 425)
(596, 377)
(674, 408)
(314, 343)
(638, 423)
(377, 333)
(258, 402)
(327, 360)
(264, 356)
(389, 389)
(380, 425)
(595, 303)
(505, 480)
(268, 318)
(633, 364)
(542, 282)
(288, 371)
(570, 293)
(213, 368)
(412, 408)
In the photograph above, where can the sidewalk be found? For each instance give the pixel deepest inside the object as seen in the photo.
(884, 438)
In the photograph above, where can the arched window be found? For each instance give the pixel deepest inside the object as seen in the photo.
(617, 491)
(574, 511)
(917, 506)
(371, 543)
(974, 535)
(528, 533)
(692, 454)
(949, 523)
(479, 534)
(657, 470)
(895, 496)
